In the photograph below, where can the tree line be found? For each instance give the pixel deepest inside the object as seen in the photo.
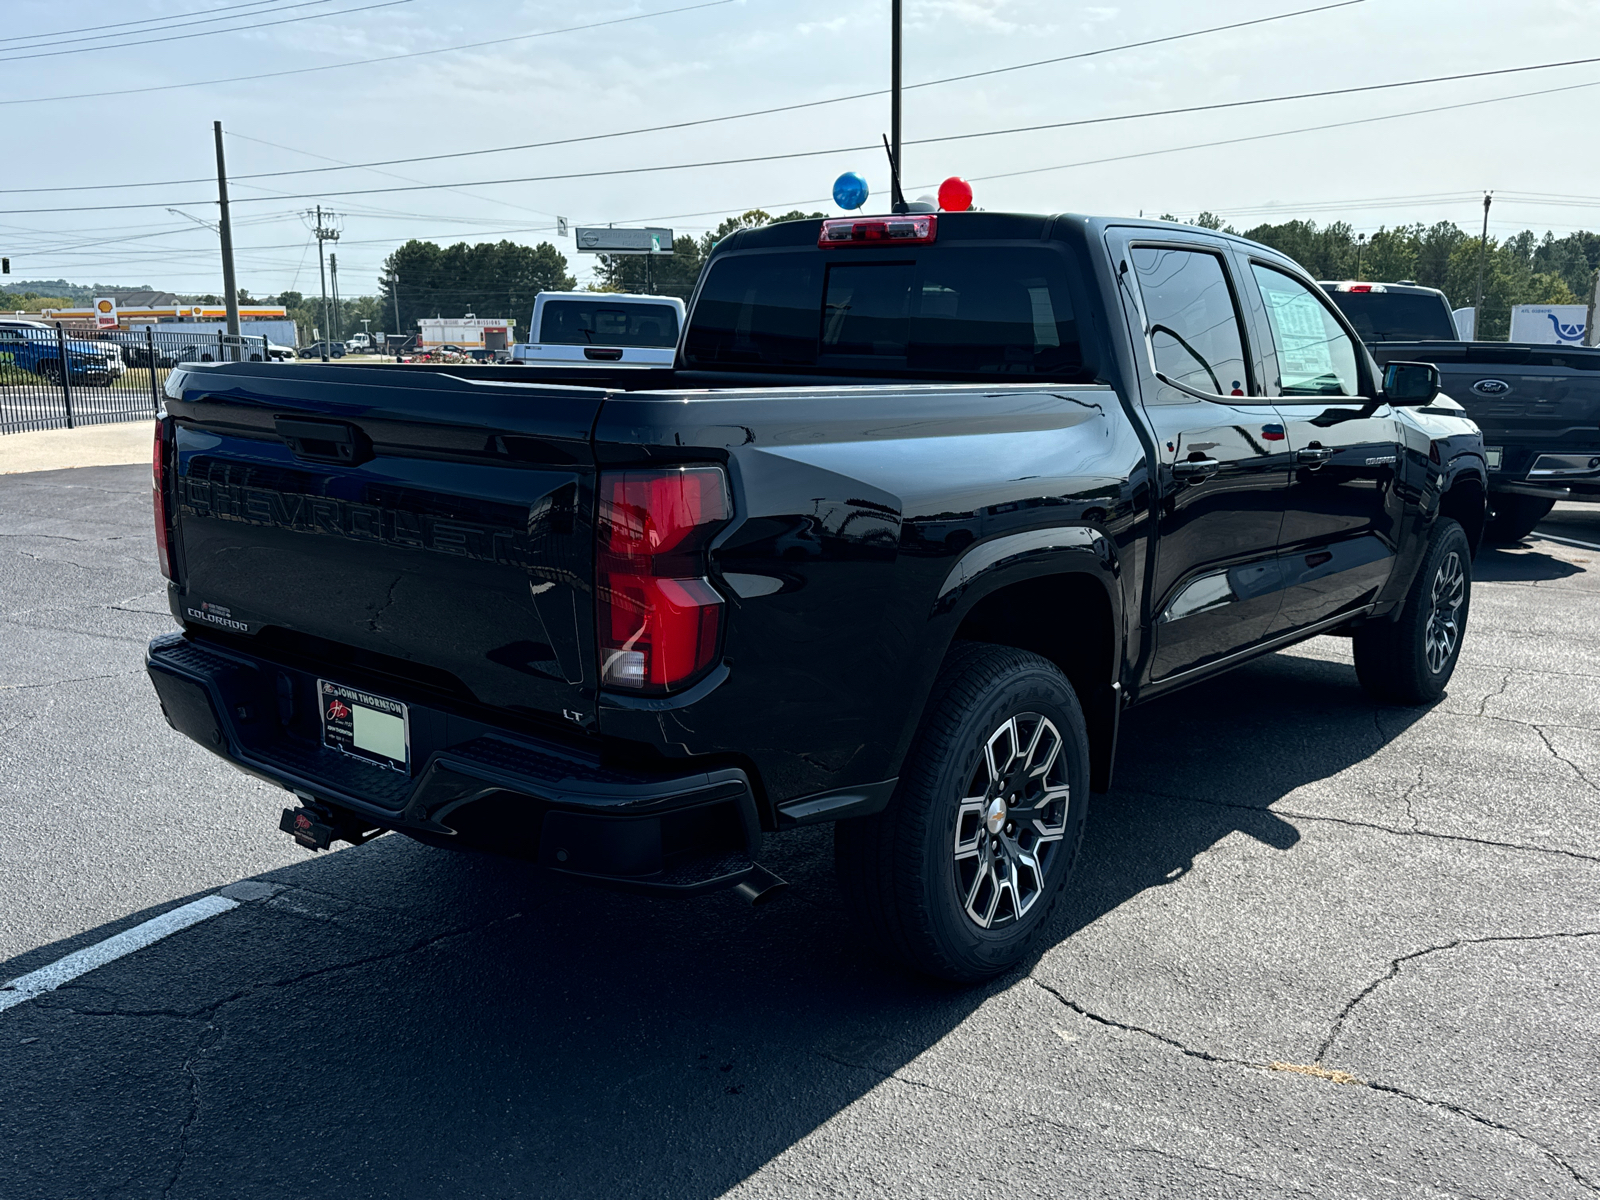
(1523, 269)
(500, 279)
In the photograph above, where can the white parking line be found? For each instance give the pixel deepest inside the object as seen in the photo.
(1566, 541)
(79, 962)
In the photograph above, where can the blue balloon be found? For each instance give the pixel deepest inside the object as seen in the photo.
(850, 190)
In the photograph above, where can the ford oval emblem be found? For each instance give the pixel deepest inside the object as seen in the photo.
(1491, 387)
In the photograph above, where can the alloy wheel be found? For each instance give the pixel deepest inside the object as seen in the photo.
(1443, 634)
(1011, 821)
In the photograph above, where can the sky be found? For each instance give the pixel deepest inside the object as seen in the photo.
(105, 133)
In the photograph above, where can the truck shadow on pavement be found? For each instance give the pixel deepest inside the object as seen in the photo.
(399, 1020)
(1519, 564)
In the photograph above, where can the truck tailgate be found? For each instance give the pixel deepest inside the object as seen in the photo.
(426, 528)
(1541, 399)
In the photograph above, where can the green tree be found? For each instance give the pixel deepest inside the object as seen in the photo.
(490, 279)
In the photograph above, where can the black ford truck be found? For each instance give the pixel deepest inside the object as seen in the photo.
(923, 504)
(1538, 405)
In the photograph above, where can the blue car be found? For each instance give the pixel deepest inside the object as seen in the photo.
(37, 351)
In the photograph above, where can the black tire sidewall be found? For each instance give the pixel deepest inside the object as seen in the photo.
(1413, 626)
(1030, 684)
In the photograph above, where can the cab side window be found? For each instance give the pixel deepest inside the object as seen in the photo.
(1315, 355)
(1193, 322)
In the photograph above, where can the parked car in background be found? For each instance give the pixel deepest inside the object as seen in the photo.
(603, 327)
(335, 350)
(278, 353)
(1538, 405)
(39, 350)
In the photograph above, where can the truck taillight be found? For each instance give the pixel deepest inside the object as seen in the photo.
(160, 463)
(916, 230)
(658, 617)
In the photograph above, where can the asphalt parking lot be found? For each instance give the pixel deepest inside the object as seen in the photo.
(1319, 948)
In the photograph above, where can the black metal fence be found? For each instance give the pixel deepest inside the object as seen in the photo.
(58, 377)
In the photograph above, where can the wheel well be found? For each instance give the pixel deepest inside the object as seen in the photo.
(1067, 619)
(1464, 504)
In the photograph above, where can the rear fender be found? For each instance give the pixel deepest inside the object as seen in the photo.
(1054, 592)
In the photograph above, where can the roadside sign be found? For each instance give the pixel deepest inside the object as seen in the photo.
(561, 227)
(603, 239)
(1549, 324)
(105, 313)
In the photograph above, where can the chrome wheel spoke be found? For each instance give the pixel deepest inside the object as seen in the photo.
(1443, 632)
(1013, 813)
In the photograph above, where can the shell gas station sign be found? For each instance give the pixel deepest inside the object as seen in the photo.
(105, 313)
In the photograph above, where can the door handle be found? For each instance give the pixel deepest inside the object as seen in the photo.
(1313, 456)
(1194, 470)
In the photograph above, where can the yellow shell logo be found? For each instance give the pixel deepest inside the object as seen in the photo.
(105, 306)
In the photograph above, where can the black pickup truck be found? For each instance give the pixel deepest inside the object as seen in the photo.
(924, 503)
(1538, 405)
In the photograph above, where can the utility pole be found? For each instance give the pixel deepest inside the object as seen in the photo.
(1483, 253)
(230, 291)
(1361, 244)
(333, 270)
(394, 294)
(324, 233)
(897, 197)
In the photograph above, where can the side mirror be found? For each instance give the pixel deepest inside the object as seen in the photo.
(1410, 384)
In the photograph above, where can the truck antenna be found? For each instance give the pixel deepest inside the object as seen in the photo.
(897, 199)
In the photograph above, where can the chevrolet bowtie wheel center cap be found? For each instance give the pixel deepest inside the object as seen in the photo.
(995, 817)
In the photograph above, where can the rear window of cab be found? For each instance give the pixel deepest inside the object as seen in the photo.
(953, 310)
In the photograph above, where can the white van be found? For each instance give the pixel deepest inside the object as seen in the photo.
(602, 327)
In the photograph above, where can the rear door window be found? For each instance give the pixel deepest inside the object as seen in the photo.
(943, 311)
(1193, 323)
(584, 323)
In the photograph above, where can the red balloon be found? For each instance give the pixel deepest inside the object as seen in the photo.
(955, 194)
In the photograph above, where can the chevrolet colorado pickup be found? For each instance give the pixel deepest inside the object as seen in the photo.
(922, 504)
(1538, 405)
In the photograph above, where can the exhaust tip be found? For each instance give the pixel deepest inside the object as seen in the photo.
(761, 885)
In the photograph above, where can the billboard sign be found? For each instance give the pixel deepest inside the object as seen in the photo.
(1550, 324)
(105, 313)
(603, 239)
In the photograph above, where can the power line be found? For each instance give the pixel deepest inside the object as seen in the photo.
(100, 36)
(1257, 137)
(181, 37)
(388, 174)
(499, 41)
(677, 125)
(28, 37)
(747, 160)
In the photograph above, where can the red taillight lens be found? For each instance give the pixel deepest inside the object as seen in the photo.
(159, 463)
(916, 229)
(659, 619)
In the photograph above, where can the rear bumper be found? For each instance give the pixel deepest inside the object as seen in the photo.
(471, 785)
(1550, 475)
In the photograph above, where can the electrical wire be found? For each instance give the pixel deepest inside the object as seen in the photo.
(183, 37)
(499, 41)
(1257, 137)
(100, 37)
(677, 125)
(745, 161)
(28, 37)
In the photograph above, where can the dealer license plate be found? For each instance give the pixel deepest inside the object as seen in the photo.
(1492, 454)
(375, 728)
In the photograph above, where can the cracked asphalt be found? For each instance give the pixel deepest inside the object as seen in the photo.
(1318, 948)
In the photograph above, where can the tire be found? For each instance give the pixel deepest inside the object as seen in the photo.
(50, 369)
(1410, 660)
(1512, 517)
(945, 844)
